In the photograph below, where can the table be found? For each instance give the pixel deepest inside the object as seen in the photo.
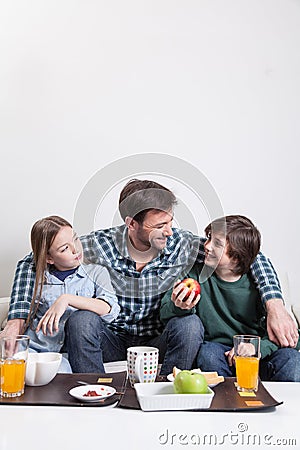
(77, 428)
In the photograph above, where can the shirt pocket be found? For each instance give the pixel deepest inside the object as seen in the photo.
(46, 301)
(85, 291)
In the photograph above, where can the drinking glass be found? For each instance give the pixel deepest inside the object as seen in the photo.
(13, 357)
(246, 355)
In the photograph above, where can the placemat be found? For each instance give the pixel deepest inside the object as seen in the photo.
(226, 398)
(56, 393)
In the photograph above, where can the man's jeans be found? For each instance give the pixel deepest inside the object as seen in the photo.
(282, 365)
(90, 342)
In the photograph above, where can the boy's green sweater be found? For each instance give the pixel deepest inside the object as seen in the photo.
(225, 309)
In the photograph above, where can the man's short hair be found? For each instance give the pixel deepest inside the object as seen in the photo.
(242, 237)
(141, 196)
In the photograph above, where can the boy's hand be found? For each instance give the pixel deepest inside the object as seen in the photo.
(245, 349)
(230, 357)
(178, 296)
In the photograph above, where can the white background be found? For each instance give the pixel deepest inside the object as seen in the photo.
(85, 83)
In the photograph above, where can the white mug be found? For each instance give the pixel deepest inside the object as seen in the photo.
(142, 363)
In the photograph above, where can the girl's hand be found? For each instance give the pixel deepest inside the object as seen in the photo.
(178, 296)
(50, 320)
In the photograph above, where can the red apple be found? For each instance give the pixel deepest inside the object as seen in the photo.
(193, 286)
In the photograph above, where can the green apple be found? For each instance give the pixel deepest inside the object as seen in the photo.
(187, 382)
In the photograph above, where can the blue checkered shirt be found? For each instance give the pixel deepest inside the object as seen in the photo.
(139, 292)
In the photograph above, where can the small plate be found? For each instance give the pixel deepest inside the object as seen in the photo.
(170, 377)
(101, 390)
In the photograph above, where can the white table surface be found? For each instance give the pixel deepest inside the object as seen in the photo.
(87, 428)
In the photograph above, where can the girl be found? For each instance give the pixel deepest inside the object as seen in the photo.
(63, 284)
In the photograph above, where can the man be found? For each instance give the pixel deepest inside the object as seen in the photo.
(230, 303)
(144, 258)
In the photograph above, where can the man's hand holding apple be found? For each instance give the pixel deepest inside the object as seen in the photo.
(186, 293)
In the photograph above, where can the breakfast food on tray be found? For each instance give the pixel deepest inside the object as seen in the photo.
(188, 382)
(211, 377)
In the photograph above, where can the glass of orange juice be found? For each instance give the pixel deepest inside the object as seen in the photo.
(246, 356)
(13, 357)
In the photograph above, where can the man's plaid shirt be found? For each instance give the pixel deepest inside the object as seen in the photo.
(139, 293)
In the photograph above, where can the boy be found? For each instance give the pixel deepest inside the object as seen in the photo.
(230, 303)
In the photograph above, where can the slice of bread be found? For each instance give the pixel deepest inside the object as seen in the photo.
(214, 380)
(175, 371)
(211, 377)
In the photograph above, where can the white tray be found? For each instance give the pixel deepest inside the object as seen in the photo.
(161, 397)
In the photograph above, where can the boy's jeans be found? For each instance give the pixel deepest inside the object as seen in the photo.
(282, 365)
(90, 342)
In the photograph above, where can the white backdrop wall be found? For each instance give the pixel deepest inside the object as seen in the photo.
(213, 82)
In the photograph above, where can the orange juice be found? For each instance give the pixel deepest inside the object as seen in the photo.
(247, 372)
(12, 376)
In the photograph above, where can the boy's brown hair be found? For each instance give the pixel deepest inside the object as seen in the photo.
(242, 237)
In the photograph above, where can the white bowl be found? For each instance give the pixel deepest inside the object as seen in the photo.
(102, 391)
(161, 397)
(41, 368)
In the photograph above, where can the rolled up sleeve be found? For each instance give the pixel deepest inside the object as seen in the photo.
(105, 291)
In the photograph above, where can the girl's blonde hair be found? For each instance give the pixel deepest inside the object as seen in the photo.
(42, 236)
